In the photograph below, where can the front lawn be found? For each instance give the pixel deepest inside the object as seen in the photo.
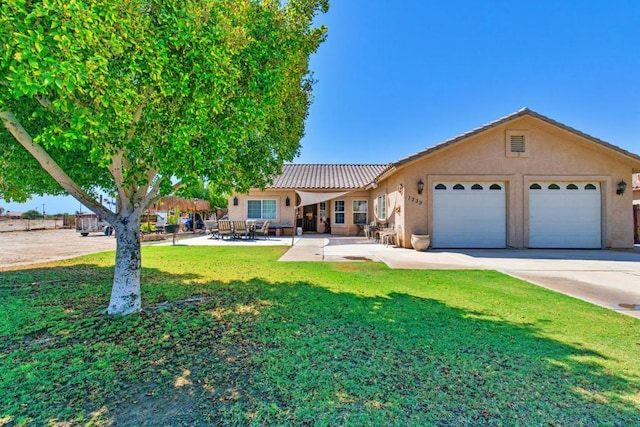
(229, 336)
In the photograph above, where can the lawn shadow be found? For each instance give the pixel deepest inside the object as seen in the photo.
(291, 353)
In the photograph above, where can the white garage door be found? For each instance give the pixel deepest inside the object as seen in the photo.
(564, 215)
(469, 215)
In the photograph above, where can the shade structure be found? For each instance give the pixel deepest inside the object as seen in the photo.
(171, 202)
(311, 198)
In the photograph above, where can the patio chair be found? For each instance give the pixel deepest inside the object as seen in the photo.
(212, 228)
(224, 229)
(240, 229)
(264, 230)
(387, 235)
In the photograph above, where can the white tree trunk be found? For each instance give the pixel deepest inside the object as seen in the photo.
(125, 293)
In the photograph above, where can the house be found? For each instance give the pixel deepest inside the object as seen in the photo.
(13, 215)
(635, 185)
(522, 181)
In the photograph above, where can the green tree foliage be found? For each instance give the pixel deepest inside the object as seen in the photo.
(141, 97)
(31, 214)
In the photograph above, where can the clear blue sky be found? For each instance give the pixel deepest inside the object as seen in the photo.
(395, 77)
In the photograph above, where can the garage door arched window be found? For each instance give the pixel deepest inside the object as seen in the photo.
(590, 187)
(476, 187)
(495, 187)
(572, 187)
(535, 187)
(554, 187)
(440, 187)
(458, 187)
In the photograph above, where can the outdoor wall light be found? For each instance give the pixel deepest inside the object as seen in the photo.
(287, 201)
(420, 186)
(400, 188)
(374, 184)
(622, 187)
(235, 201)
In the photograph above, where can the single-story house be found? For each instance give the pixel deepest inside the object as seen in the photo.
(636, 207)
(522, 181)
(13, 215)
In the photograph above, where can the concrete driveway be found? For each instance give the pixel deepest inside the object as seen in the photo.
(607, 278)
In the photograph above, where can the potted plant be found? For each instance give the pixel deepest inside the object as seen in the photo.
(173, 223)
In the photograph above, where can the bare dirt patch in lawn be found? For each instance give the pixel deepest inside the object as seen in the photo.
(32, 247)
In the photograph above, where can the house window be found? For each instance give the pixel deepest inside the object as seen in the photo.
(323, 210)
(517, 143)
(476, 187)
(572, 187)
(458, 187)
(495, 187)
(535, 187)
(441, 187)
(338, 210)
(262, 209)
(360, 211)
(553, 187)
(381, 208)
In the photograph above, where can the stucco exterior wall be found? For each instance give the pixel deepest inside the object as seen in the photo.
(285, 215)
(553, 155)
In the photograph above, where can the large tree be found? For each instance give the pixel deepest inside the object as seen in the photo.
(140, 97)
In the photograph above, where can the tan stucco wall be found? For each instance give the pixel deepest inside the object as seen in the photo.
(553, 155)
(285, 214)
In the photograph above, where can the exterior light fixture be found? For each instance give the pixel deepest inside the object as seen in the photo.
(235, 201)
(374, 184)
(622, 187)
(400, 188)
(287, 201)
(420, 186)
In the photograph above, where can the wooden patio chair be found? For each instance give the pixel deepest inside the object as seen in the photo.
(224, 229)
(264, 230)
(387, 235)
(240, 229)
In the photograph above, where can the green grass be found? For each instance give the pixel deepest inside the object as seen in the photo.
(265, 343)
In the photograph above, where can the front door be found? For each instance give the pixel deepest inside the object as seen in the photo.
(309, 221)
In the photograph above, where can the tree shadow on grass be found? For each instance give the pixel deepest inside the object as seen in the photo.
(266, 353)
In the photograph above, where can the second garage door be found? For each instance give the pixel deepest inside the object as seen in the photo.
(469, 215)
(565, 215)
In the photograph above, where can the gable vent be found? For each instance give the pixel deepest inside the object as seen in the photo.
(517, 143)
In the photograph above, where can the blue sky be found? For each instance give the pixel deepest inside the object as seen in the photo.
(397, 77)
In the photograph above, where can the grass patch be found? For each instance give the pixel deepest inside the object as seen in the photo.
(229, 336)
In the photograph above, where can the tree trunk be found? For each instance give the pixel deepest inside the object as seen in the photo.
(125, 293)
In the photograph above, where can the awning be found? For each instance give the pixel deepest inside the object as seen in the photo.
(311, 198)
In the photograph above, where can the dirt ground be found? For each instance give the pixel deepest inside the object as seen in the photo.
(29, 247)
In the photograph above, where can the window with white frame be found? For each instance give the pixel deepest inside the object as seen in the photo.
(262, 209)
(323, 211)
(360, 211)
(381, 208)
(338, 210)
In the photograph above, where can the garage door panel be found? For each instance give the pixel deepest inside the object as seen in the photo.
(565, 218)
(469, 218)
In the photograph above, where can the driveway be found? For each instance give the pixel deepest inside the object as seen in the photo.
(607, 278)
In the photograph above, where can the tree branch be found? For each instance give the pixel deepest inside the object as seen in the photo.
(12, 124)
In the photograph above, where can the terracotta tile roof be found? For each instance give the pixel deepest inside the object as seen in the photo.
(321, 176)
(522, 112)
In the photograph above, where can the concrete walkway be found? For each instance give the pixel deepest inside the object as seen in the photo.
(606, 278)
